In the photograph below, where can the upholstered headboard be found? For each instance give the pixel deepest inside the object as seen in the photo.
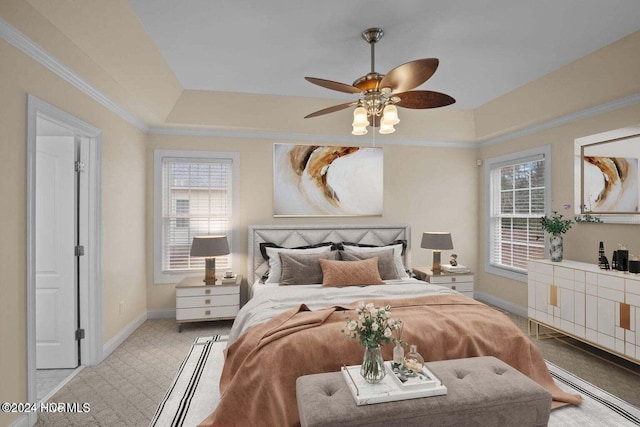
(300, 235)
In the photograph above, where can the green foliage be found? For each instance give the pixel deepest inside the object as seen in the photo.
(556, 224)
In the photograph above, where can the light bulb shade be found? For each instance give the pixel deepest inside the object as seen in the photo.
(436, 240)
(360, 117)
(386, 128)
(209, 246)
(357, 130)
(390, 115)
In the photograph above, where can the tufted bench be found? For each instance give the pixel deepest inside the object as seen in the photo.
(482, 391)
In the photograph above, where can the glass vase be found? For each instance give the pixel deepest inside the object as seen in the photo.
(413, 361)
(372, 369)
(555, 247)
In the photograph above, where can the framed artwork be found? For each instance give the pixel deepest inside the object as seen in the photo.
(315, 180)
(608, 175)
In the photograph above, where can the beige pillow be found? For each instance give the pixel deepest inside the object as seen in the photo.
(386, 263)
(350, 273)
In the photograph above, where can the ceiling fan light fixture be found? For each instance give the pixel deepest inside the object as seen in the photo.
(360, 118)
(359, 130)
(386, 128)
(390, 115)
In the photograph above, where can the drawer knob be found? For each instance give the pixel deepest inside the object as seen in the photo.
(453, 279)
(207, 291)
(207, 312)
(453, 287)
(207, 301)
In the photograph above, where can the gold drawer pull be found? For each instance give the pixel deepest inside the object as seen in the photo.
(207, 313)
(207, 301)
(207, 291)
(453, 279)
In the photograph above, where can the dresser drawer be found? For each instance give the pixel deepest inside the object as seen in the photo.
(207, 290)
(447, 280)
(206, 301)
(204, 313)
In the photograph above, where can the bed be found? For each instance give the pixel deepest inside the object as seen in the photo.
(292, 324)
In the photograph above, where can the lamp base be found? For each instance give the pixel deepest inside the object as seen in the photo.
(436, 267)
(210, 271)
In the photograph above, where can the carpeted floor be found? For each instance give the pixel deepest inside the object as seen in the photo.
(127, 387)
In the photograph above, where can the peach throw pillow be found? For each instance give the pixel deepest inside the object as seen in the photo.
(350, 273)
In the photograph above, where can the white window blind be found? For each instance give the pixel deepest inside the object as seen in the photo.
(517, 201)
(196, 201)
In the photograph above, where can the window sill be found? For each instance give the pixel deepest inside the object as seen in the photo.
(504, 272)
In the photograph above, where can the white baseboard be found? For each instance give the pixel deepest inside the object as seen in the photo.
(119, 338)
(161, 313)
(503, 304)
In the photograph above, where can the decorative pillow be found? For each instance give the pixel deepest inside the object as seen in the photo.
(303, 269)
(350, 273)
(397, 254)
(386, 262)
(265, 245)
(275, 266)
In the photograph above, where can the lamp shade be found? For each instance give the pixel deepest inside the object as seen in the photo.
(209, 246)
(436, 240)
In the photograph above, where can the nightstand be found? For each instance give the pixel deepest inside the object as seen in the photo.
(461, 282)
(199, 302)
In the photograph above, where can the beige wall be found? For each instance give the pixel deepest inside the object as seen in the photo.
(123, 168)
(430, 189)
(581, 241)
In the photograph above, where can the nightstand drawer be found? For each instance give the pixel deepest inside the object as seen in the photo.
(206, 301)
(460, 287)
(208, 291)
(207, 312)
(446, 279)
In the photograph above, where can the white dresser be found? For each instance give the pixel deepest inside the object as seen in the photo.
(197, 302)
(596, 306)
(461, 282)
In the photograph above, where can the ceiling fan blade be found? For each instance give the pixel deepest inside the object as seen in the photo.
(410, 75)
(329, 84)
(331, 109)
(420, 99)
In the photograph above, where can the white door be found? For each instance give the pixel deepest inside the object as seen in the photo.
(55, 262)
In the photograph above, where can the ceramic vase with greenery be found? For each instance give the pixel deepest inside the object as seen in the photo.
(556, 226)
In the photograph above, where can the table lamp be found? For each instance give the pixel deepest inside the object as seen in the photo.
(436, 241)
(209, 247)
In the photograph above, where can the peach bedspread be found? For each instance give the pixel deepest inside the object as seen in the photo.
(258, 380)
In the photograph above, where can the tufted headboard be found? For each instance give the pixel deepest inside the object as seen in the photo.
(300, 235)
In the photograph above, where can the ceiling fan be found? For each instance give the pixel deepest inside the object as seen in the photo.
(380, 93)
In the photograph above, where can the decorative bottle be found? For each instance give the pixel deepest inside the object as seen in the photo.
(398, 353)
(413, 361)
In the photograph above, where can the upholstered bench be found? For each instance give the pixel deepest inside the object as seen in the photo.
(482, 391)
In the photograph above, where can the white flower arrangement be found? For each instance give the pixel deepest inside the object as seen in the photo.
(374, 325)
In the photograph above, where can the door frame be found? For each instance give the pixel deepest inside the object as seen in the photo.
(90, 279)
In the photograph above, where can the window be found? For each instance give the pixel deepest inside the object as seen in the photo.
(195, 196)
(518, 196)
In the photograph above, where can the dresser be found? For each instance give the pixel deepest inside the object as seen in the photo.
(461, 282)
(198, 302)
(599, 307)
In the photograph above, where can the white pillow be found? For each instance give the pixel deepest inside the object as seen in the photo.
(397, 256)
(275, 265)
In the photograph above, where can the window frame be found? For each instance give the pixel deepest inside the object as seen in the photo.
(506, 160)
(162, 277)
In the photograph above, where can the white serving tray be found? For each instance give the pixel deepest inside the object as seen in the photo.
(391, 389)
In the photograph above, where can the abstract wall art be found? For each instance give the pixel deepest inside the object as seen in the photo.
(315, 180)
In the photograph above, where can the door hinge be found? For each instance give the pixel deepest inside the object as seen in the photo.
(79, 250)
(79, 166)
(79, 334)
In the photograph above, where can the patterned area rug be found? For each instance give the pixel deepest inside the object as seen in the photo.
(194, 393)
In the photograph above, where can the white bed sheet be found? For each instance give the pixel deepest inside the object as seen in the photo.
(269, 300)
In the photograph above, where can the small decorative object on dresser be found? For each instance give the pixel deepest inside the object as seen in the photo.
(556, 226)
(458, 281)
(198, 301)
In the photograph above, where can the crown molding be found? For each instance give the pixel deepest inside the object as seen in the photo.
(38, 54)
